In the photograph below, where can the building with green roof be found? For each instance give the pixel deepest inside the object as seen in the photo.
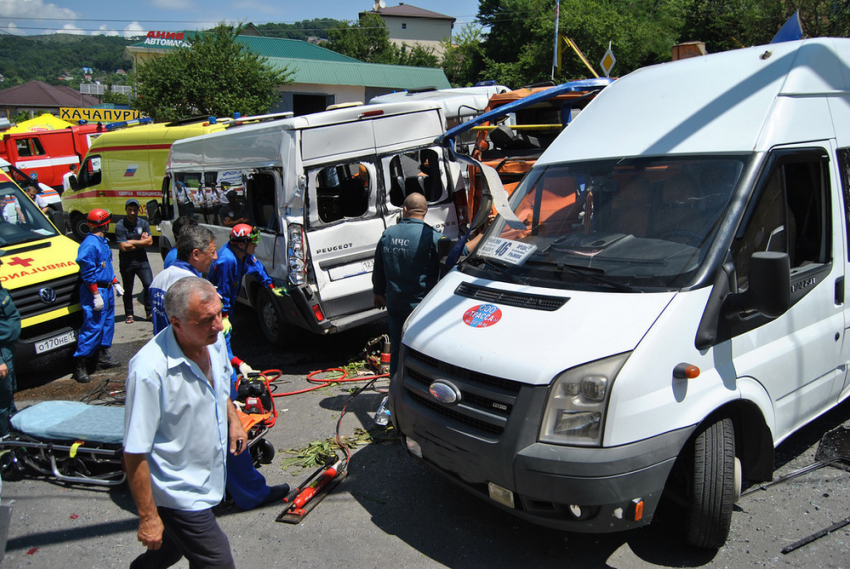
(321, 77)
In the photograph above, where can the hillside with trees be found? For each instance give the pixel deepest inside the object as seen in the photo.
(46, 58)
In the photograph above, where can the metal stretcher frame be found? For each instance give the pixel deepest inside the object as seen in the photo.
(68, 440)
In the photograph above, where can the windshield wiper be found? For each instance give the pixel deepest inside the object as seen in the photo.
(502, 268)
(593, 274)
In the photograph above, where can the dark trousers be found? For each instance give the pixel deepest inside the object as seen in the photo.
(128, 274)
(193, 535)
(8, 386)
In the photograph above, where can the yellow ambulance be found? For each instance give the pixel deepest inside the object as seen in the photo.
(127, 163)
(40, 271)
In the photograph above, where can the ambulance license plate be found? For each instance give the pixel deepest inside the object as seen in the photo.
(55, 342)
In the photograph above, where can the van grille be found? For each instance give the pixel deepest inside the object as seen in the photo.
(28, 299)
(520, 300)
(486, 401)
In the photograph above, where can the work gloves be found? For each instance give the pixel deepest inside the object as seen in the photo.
(245, 369)
(228, 327)
(98, 302)
(119, 290)
(278, 291)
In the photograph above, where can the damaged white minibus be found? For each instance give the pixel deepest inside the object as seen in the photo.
(662, 303)
(321, 188)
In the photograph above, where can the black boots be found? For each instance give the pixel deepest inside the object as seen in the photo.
(85, 366)
(104, 360)
(81, 375)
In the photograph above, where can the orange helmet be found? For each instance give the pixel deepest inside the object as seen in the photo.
(244, 233)
(98, 218)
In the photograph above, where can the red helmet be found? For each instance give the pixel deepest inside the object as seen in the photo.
(244, 233)
(98, 218)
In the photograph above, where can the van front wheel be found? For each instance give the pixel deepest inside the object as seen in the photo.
(271, 323)
(712, 489)
(79, 226)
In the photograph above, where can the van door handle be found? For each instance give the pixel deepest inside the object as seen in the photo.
(839, 291)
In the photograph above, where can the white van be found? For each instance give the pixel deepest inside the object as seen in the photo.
(322, 188)
(664, 301)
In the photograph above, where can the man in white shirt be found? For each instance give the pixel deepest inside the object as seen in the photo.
(66, 179)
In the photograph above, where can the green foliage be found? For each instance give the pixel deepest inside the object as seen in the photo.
(366, 39)
(317, 27)
(463, 59)
(216, 76)
(115, 98)
(19, 117)
(45, 58)
(641, 33)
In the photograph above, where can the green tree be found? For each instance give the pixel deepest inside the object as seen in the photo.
(416, 56)
(109, 96)
(217, 75)
(367, 40)
(520, 45)
(463, 58)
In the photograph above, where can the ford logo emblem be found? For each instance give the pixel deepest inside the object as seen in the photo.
(47, 295)
(445, 392)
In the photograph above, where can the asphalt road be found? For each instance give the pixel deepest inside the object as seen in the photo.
(391, 510)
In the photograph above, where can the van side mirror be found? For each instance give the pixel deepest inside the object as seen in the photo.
(154, 215)
(769, 291)
(75, 185)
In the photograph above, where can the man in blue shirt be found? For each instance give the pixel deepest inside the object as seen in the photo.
(235, 260)
(179, 425)
(96, 298)
(133, 236)
(407, 266)
(196, 250)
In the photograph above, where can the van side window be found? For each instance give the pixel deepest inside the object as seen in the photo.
(791, 216)
(416, 172)
(261, 201)
(89, 173)
(343, 191)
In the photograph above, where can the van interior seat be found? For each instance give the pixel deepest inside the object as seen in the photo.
(630, 207)
(678, 208)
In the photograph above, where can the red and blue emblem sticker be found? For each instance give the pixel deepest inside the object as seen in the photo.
(482, 316)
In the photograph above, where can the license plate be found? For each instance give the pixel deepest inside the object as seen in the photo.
(55, 342)
(351, 270)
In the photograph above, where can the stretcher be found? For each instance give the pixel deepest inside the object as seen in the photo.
(66, 440)
(79, 443)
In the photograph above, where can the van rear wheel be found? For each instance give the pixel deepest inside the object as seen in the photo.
(715, 473)
(271, 323)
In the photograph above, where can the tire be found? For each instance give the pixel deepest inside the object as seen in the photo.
(271, 323)
(79, 226)
(262, 452)
(712, 486)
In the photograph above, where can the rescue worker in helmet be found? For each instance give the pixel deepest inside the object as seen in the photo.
(96, 299)
(235, 260)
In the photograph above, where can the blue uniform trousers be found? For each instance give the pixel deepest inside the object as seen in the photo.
(98, 327)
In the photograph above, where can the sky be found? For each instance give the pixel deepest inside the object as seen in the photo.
(136, 17)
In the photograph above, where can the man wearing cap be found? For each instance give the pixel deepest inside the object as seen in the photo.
(233, 212)
(133, 236)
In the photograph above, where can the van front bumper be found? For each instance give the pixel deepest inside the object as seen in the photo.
(580, 489)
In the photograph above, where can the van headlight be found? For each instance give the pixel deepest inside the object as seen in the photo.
(578, 401)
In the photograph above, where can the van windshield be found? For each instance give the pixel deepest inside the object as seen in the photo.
(20, 218)
(628, 224)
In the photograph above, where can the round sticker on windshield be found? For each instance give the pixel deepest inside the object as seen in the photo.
(482, 316)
